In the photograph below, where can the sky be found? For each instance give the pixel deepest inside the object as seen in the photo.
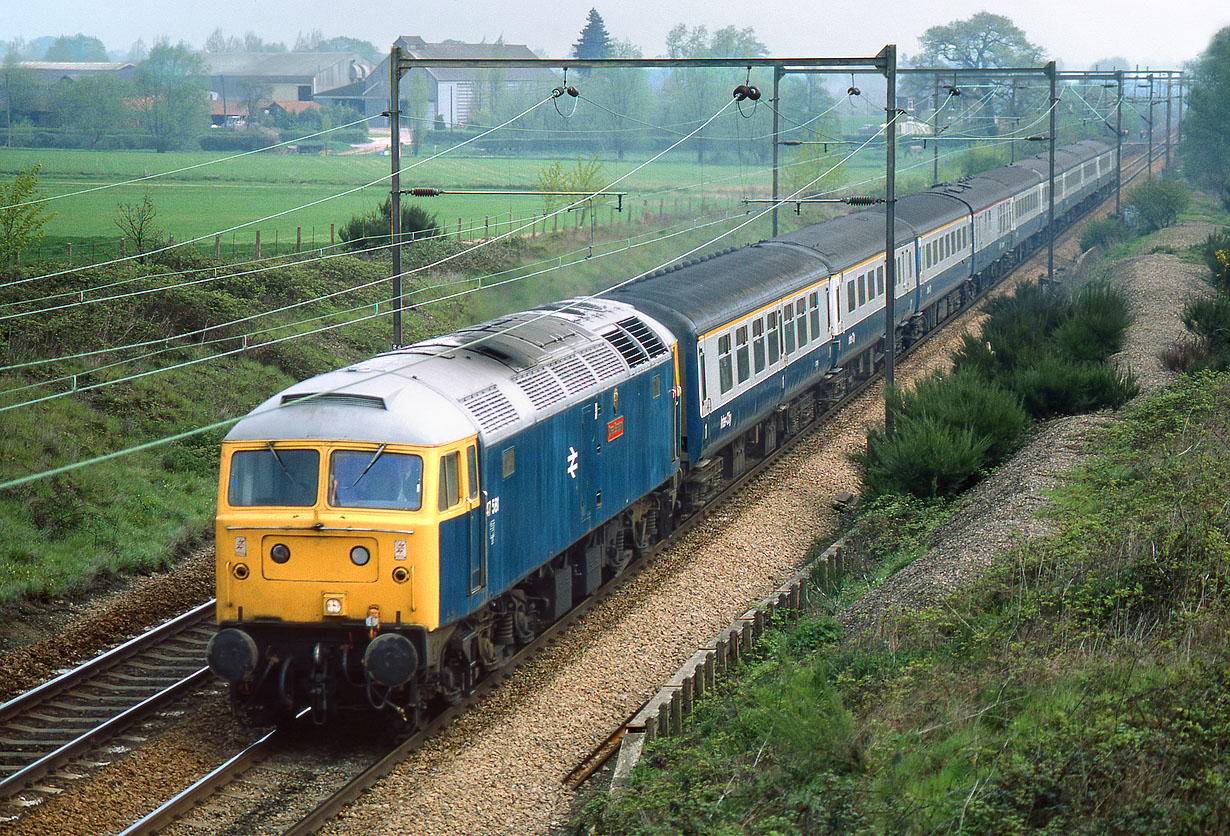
(1076, 34)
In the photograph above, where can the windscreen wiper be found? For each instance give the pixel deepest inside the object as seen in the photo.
(282, 464)
(379, 453)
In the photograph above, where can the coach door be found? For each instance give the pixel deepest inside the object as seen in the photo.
(478, 514)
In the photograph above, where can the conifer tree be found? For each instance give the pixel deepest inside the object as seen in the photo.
(594, 41)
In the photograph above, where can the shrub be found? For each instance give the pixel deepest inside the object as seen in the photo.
(1215, 252)
(1157, 205)
(966, 400)
(922, 456)
(375, 228)
(1055, 385)
(1099, 320)
(1102, 233)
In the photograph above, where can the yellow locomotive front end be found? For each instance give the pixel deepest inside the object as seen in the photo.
(330, 508)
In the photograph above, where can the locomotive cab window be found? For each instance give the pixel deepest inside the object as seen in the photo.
(450, 481)
(375, 479)
(274, 477)
(472, 471)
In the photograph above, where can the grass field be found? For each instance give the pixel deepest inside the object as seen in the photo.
(308, 193)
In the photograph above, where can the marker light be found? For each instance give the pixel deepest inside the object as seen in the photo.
(333, 606)
(359, 556)
(280, 553)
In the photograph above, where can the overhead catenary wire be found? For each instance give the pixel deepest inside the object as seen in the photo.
(454, 256)
(283, 213)
(15, 482)
(179, 346)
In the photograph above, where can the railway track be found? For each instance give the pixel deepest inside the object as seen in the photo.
(57, 723)
(36, 726)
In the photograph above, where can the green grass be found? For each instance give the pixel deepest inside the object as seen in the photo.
(244, 190)
(1079, 686)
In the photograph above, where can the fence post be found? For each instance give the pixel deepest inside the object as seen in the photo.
(258, 243)
(298, 239)
(69, 257)
(331, 242)
(486, 226)
(459, 229)
(218, 246)
(123, 248)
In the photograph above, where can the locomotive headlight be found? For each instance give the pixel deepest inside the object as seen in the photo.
(359, 555)
(280, 553)
(333, 606)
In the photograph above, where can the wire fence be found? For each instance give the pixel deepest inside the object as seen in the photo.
(308, 243)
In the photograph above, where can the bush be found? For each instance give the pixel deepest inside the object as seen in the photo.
(375, 229)
(922, 456)
(238, 141)
(1215, 252)
(1095, 330)
(1103, 232)
(1055, 385)
(1157, 205)
(966, 400)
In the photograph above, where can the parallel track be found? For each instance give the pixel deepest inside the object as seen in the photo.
(48, 727)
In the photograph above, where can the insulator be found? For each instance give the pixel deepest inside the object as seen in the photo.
(854, 91)
(572, 91)
(424, 191)
(557, 92)
(863, 201)
(753, 92)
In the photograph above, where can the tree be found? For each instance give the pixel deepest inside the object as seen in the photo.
(171, 92)
(136, 222)
(415, 107)
(20, 89)
(619, 90)
(1206, 147)
(78, 48)
(92, 107)
(22, 213)
(693, 92)
(586, 177)
(984, 41)
(594, 42)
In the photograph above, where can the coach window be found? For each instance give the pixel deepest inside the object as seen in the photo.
(726, 380)
(880, 280)
(862, 289)
(743, 367)
(800, 309)
(450, 481)
(758, 344)
(775, 338)
(788, 322)
(850, 295)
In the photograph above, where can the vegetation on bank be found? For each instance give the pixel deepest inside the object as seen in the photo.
(1078, 687)
(1040, 353)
